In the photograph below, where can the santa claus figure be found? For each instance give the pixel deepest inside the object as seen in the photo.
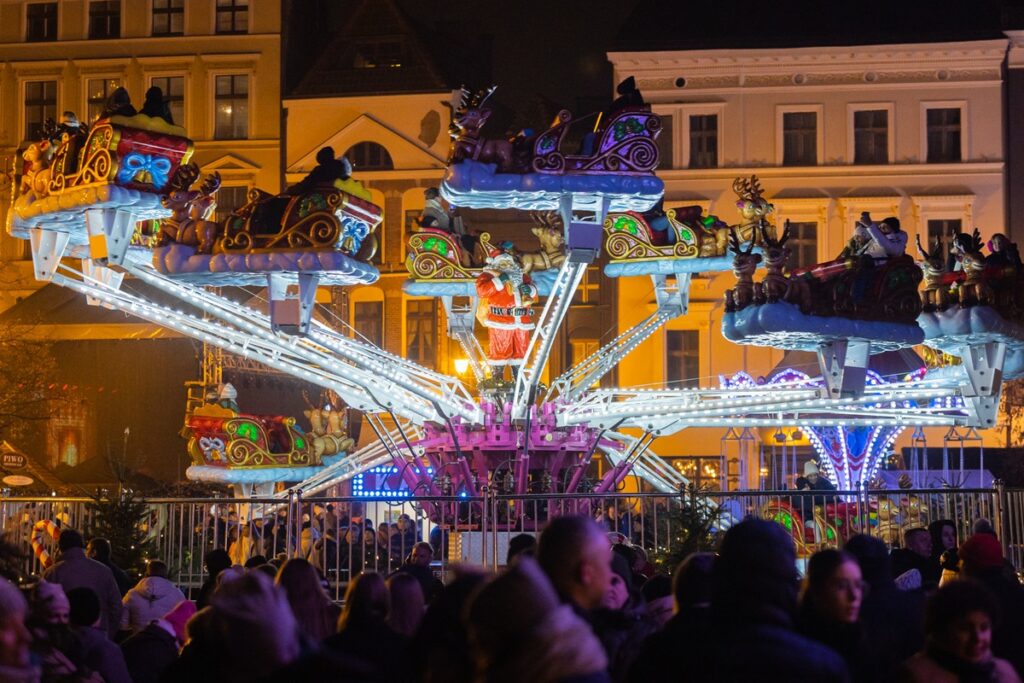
(506, 306)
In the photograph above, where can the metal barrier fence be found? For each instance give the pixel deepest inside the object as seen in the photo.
(344, 536)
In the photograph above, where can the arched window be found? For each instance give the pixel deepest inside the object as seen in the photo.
(369, 156)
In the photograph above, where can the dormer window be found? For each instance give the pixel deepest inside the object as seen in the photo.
(379, 54)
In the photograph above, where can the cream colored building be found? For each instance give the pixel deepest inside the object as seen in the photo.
(914, 131)
(218, 60)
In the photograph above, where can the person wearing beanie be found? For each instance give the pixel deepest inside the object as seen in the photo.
(16, 664)
(75, 570)
(56, 647)
(893, 620)
(813, 483)
(519, 631)
(152, 650)
(98, 652)
(981, 559)
(753, 606)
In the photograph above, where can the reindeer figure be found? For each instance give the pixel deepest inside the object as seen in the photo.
(744, 263)
(329, 437)
(467, 119)
(548, 230)
(753, 208)
(776, 286)
(189, 224)
(973, 290)
(935, 295)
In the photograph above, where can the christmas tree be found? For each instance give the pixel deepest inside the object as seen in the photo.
(125, 521)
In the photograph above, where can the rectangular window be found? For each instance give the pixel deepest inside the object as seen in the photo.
(871, 136)
(232, 16)
(682, 351)
(41, 22)
(800, 138)
(368, 320)
(97, 92)
(378, 54)
(943, 135)
(104, 19)
(229, 200)
(168, 17)
(173, 88)
(704, 141)
(421, 331)
(40, 104)
(589, 291)
(942, 231)
(664, 142)
(803, 245)
(232, 102)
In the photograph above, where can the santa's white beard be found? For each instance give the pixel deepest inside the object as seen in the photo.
(513, 270)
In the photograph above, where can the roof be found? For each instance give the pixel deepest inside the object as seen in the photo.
(658, 25)
(44, 477)
(375, 29)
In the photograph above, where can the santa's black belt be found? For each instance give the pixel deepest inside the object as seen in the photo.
(517, 312)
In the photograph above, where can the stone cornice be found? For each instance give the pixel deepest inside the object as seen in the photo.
(818, 173)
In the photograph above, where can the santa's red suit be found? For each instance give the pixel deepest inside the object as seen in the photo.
(506, 311)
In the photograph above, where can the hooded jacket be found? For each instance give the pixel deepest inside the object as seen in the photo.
(152, 597)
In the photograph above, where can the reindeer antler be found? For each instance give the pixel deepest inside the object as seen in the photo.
(976, 240)
(483, 95)
(184, 177)
(211, 184)
(546, 219)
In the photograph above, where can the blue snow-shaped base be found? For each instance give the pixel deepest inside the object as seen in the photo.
(223, 475)
(784, 326)
(544, 280)
(669, 266)
(954, 329)
(237, 269)
(479, 186)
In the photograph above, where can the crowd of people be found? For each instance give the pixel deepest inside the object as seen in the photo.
(570, 606)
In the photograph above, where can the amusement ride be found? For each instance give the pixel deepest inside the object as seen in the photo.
(121, 200)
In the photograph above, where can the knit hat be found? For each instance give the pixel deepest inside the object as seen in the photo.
(982, 551)
(811, 467)
(179, 616)
(12, 600)
(620, 566)
(755, 571)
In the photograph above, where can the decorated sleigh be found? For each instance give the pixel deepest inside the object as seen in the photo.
(623, 144)
(121, 163)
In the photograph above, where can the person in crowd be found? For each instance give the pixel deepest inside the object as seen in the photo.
(99, 549)
(363, 633)
(440, 649)
(152, 597)
(255, 561)
(830, 609)
(893, 620)
(983, 526)
(148, 653)
(313, 609)
(949, 563)
(691, 593)
(657, 595)
(943, 533)
(959, 623)
(418, 564)
(753, 604)
(54, 645)
(981, 559)
(216, 561)
(98, 651)
(240, 549)
(521, 544)
(247, 633)
(621, 623)
(916, 553)
(75, 570)
(401, 543)
(16, 665)
(521, 632)
(407, 604)
(575, 554)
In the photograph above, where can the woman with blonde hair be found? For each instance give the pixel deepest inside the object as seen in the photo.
(314, 611)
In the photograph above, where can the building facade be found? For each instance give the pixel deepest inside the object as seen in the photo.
(914, 131)
(217, 61)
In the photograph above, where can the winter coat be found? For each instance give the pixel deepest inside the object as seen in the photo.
(148, 653)
(102, 655)
(428, 582)
(1008, 632)
(75, 570)
(152, 597)
(377, 648)
(922, 668)
(622, 633)
(658, 657)
(848, 640)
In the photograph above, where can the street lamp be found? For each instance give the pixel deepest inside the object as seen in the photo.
(461, 366)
